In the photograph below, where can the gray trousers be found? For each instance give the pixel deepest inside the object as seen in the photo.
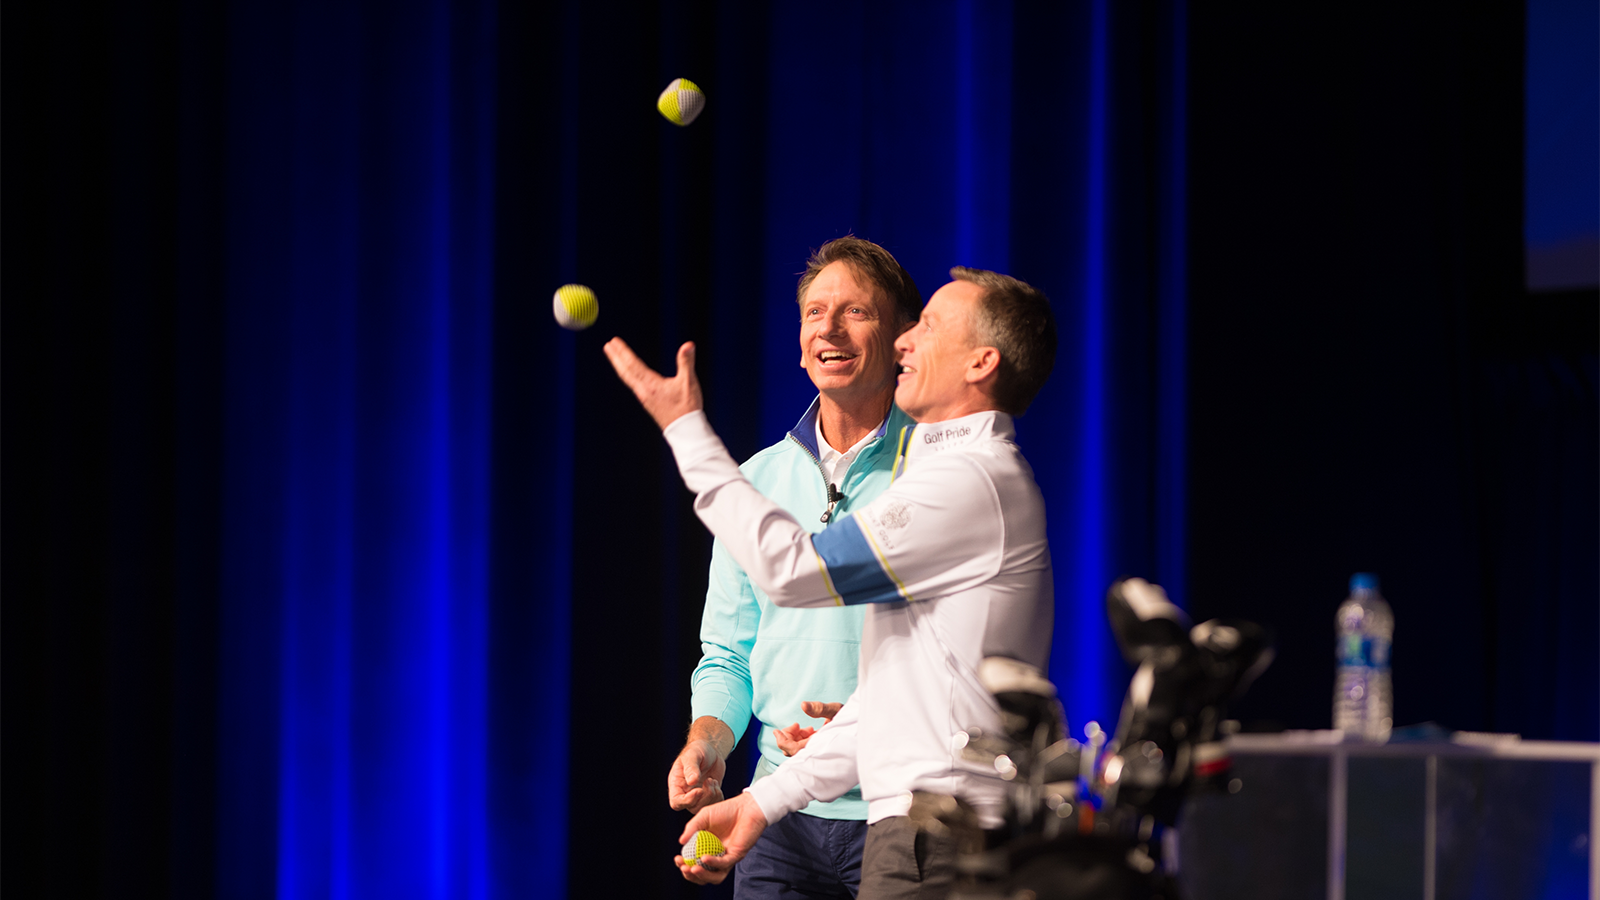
(902, 863)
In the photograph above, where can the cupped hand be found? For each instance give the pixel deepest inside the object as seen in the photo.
(665, 399)
(793, 739)
(738, 822)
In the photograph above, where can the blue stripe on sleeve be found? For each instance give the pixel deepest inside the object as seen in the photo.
(853, 565)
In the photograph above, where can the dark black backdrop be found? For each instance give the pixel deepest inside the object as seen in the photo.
(1372, 387)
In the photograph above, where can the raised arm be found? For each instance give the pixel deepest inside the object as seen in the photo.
(938, 528)
(765, 540)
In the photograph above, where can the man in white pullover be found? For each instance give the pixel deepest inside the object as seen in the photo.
(952, 557)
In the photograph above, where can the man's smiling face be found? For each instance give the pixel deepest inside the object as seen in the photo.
(937, 354)
(846, 334)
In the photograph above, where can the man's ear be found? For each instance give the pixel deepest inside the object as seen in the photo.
(982, 365)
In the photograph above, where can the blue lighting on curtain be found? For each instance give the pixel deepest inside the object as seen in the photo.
(1084, 652)
(320, 549)
(934, 180)
(358, 475)
(357, 692)
(314, 757)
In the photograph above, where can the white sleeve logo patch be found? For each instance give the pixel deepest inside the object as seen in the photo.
(895, 516)
(886, 523)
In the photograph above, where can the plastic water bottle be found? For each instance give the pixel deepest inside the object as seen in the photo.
(1363, 696)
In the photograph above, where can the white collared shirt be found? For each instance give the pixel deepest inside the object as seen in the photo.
(836, 464)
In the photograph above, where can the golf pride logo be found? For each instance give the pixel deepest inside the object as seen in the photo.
(949, 434)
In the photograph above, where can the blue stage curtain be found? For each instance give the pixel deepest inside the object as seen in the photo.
(335, 568)
(431, 586)
(1007, 136)
(354, 640)
(1004, 136)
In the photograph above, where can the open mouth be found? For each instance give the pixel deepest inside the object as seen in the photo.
(833, 357)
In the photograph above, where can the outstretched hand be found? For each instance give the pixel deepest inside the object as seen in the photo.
(665, 399)
(738, 822)
(793, 739)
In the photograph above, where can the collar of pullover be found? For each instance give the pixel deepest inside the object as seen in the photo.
(805, 431)
(931, 438)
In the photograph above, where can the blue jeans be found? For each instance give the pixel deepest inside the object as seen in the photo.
(803, 857)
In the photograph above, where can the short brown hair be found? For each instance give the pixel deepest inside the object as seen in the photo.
(873, 263)
(1014, 318)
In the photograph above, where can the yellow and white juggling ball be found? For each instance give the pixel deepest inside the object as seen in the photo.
(576, 307)
(681, 101)
(702, 845)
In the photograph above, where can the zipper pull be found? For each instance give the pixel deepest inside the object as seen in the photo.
(833, 500)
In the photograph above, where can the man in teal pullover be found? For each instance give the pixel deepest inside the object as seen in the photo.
(789, 665)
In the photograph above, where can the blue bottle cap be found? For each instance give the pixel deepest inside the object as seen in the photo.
(1363, 581)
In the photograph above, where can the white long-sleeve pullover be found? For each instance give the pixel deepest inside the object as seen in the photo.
(954, 560)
